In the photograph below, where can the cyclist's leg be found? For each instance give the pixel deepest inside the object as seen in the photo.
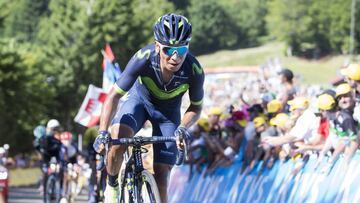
(60, 157)
(127, 121)
(164, 156)
(45, 166)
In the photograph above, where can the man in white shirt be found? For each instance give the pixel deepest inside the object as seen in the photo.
(306, 125)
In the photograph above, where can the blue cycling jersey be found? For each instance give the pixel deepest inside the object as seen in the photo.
(154, 100)
(144, 70)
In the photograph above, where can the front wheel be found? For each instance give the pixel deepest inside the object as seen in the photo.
(53, 192)
(149, 189)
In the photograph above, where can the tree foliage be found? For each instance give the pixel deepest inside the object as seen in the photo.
(213, 27)
(23, 92)
(312, 28)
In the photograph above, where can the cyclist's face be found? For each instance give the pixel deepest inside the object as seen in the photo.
(171, 59)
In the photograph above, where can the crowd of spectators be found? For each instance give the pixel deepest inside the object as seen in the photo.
(270, 116)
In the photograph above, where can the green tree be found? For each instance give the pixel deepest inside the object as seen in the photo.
(213, 28)
(146, 16)
(21, 18)
(71, 58)
(113, 22)
(290, 25)
(249, 16)
(23, 94)
(312, 28)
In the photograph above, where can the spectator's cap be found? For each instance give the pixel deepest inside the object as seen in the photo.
(298, 103)
(281, 120)
(215, 111)
(203, 123)
(66, 136)
(287, 73)
(273, 106)
(343, 89)
(326, 102)
(53, 123)
(259, 121)
(352, 71)
(39, 131)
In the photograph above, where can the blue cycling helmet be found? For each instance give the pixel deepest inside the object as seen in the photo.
(39, 131)
(172, 30)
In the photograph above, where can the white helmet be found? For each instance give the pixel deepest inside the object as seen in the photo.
(53, 123)
(6, 146)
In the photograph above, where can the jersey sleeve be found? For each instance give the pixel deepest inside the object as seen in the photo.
(132, 71)
(196, 89)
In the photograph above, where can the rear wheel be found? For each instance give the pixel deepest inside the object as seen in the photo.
(149, 189)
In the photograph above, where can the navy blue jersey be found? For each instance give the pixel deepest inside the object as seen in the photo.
(143, 76)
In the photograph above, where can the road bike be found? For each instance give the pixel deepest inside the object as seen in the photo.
(137, 185)
(52, 187)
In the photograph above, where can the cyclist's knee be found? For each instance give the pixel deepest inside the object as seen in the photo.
(117, 150)
(124, 127)
(121, 130)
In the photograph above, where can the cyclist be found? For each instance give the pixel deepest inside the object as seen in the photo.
(157, 77)
(48, 145)
(97, 179)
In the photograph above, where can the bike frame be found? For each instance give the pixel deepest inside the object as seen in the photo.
(133, 168)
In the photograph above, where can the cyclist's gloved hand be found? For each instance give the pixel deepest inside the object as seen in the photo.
(181, 134)
(102, 138)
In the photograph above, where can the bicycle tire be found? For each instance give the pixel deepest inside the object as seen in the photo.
(52, 190)
(149, 190)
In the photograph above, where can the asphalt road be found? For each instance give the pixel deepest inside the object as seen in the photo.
(32, 195)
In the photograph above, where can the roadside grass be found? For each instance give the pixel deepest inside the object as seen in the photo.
(24, 177)
(310, 71)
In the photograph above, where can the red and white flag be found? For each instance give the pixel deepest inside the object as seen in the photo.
(90, 110)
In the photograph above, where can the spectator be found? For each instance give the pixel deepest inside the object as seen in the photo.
(262, 130)
(250, 134)
(305, 127)
(344, 126)
(213, 137)
(198, 154)
(288, 90)
(282, 124)
(327, 106)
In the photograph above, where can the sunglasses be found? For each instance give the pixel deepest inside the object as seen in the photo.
(180, 51)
